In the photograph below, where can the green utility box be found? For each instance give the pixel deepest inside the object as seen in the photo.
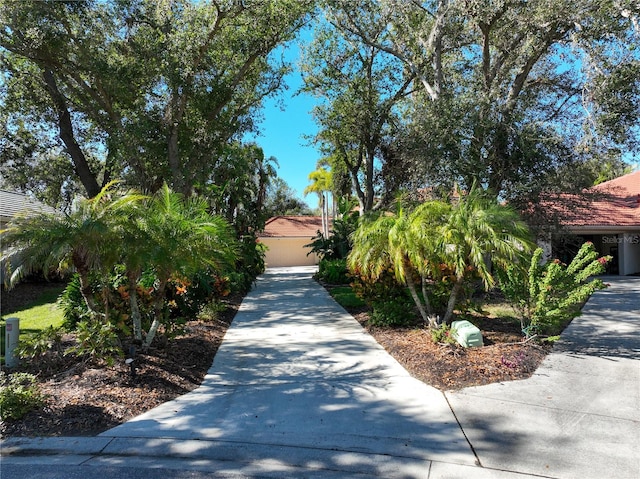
(466, 334)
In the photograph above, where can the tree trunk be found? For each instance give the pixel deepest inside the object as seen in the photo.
(427, 304)
(453, 299)
(157, 314)
(80, 163)
(85, 290)
(133, 304)
(416, 299)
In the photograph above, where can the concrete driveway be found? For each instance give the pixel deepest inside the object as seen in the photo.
(579, 415)
(299, 390)
(297, 382)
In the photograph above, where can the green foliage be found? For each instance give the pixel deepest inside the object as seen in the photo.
(211, 311)
(443, 334)
(549, 296)
(483, 75)
(346, 298)
(37, 346)
(439, 245)
(157, 89)
(392, 313)
(96, 342)
(19, 394)
(384, 287)
(333, 271)
(74, 308)
(187, 296)
(338, 244)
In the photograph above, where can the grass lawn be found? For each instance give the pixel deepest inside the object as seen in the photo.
(39, 314)
(346, 298)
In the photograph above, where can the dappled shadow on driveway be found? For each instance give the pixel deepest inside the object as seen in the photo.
(610, 323)
(297, 378)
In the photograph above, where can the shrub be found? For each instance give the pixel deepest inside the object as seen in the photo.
(396, 313)
(250, 265)
(443, 335)
(188, 296)
(97, 341)
(333, 271)
(211, 311)
(74, 308)
(19, 394)
(37, 346)
(338, 244)
(549, 296)
(385, 288)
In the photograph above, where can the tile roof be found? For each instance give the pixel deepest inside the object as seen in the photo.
(12, 203)
(292, 226)
(615, 203)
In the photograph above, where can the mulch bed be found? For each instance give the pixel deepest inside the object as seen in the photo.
(84, 399)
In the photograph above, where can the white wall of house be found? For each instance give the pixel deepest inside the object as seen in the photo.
(545, 244)
(629, 249)
(287, 251)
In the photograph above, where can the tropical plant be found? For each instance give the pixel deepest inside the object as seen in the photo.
(96, 342)
(548, 296)
(333, 271)
(337, 244)
(84, 239)
(480, 236)
(392, 313)
(321, 184)
(403, 243)
(19, 394)
(439, 241)
(182, 238)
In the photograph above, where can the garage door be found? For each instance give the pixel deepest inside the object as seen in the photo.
(288, 252)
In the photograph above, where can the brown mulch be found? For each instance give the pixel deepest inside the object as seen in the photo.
(447, 367)
(84, 399)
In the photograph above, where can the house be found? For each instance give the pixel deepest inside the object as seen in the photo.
(12, 204)
(286, 237)
(610, 218)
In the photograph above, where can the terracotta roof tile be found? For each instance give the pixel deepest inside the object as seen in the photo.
(617, 203)
(292, 226)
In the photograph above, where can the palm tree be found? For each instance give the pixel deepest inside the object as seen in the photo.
(182, 237)
(83, 239)
(321, 184)
(480, 232)
(405, 242)
(464, 237)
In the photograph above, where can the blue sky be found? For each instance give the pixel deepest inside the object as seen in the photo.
(287, 119)
(282, 136)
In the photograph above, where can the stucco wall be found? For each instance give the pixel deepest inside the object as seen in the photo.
(630, 248)
(288, 252)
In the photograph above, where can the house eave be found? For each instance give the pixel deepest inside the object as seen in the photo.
(597, 229)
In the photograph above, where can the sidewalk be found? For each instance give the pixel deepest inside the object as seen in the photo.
(298, 389)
